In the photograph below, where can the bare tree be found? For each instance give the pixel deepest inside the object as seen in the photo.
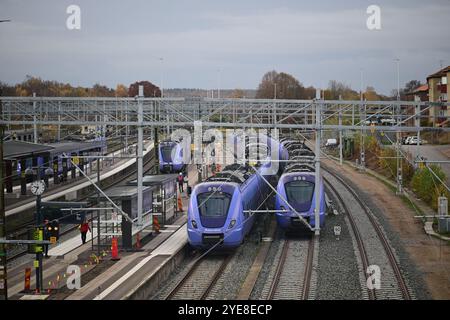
(281, 86)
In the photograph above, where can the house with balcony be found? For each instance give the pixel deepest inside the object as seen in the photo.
(438, 92)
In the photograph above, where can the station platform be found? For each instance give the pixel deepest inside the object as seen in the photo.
(64, 248)
(16, 188)
(131, 271)
(109, 280)
(58, 191)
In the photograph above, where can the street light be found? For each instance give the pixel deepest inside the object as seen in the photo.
(161, 76)
(398, 111)
(218, 83)
(398, 78)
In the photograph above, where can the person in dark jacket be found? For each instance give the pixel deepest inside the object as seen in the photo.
(84, 228)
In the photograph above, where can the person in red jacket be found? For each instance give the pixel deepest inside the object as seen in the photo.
(84, 228)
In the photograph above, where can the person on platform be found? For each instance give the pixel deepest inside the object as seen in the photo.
(180, 182)
(84, 228)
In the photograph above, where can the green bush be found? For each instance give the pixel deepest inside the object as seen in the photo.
(427, 186)
(388, 163)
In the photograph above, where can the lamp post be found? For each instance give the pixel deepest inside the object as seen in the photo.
(3, 274)
(3, 262)
(398, 111)
(161, 76)
(362, 114)
(398, 78)
(218, 83)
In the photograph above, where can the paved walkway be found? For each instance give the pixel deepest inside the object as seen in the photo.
(433, 152)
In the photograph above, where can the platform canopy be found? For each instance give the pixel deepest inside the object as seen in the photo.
(155, 180)
(120, 192)
(14, 149)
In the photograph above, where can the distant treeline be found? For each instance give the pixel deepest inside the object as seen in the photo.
(48, 88)
(273, 85)
(285, 86)
(213, 93)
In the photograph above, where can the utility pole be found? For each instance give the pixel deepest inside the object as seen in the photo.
(218, 83)
(3, 266)
(340, 137)
(59, 122)
(398, 111)
(35, 120)
(126, 128)
(156, 149)
(317, 163)
(140, 155)
(363, 123)
(98, 203)
(161, 75)
(40, 231)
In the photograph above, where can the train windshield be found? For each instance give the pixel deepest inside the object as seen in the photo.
(299, 193)
(166, 153)
(213, 204)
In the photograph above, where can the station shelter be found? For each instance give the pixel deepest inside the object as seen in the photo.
(164, 188)
(111, 223)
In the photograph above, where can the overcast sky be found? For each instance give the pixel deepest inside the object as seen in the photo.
(316, 41)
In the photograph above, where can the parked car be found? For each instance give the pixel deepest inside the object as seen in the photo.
(406, 139)
(414, 140)
(388, 121)
(331, 143)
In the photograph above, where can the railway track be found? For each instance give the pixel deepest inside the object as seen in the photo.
(198, 282)
(293, 273)
(148, 165)
(370, 238)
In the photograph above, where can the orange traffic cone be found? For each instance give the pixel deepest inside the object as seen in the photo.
(138, 240)
(114, 250)
(27, 279)
(180, 204)
(155, 224)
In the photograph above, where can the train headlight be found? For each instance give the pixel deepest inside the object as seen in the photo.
(232, 223)
(194, 224)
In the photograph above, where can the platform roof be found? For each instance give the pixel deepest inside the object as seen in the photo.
(154, 180)
(15, 149)
(121, 192)
(72, 146)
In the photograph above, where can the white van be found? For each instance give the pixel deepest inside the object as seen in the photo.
(331, 143)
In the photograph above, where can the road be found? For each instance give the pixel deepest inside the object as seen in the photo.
(432, 152)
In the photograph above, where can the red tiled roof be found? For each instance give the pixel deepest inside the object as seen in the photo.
(422, 88)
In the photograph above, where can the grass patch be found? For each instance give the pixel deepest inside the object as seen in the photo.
(404, 198)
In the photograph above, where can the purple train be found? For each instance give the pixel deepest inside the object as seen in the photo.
(220, 209)
(170, 155)
(296, 189)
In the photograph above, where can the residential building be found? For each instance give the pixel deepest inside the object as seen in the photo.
(439, 91)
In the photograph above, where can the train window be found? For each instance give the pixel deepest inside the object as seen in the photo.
(166, 153)
(299, 192)
(213, 204)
